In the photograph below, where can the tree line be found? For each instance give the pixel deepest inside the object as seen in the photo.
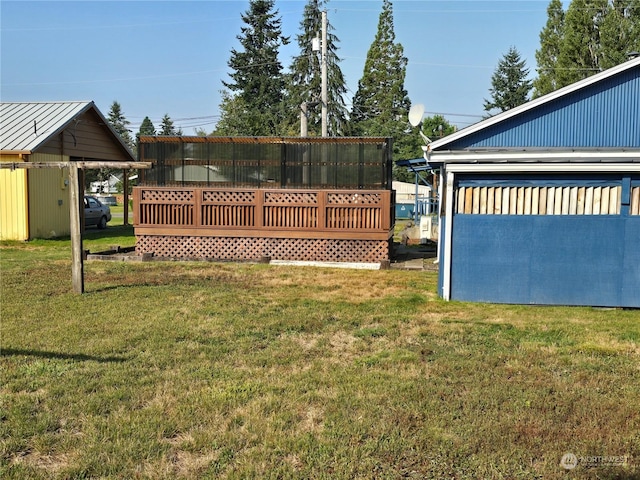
(262, 99)
(587, 38)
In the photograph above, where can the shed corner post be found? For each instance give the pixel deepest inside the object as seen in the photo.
(448, 236)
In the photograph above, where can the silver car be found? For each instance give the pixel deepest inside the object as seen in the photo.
(95, 213)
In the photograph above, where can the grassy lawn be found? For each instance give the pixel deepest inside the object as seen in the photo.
(117, 214)
(219, 370)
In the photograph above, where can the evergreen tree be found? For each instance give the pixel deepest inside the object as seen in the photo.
(257, 78)
(381, 104)
(120, 124)
(167, 127)
(547, 55)
(620, 32)
(581, 49)
(146, 127)
(509, 84)
(594, 35)
(305, 83)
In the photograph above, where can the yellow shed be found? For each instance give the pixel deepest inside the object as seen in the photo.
(34, 203)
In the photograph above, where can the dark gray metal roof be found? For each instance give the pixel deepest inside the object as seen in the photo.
(25, 126)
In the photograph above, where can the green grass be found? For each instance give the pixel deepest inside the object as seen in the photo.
(117, 215)
(219, 370)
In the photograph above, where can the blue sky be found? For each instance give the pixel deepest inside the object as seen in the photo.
(170, 57)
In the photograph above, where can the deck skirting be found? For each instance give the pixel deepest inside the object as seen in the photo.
(256, 248)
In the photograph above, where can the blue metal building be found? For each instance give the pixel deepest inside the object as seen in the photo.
(541, 204)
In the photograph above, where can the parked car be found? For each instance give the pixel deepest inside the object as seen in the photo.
(96, 213)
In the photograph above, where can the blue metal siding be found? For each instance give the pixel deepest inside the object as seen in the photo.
(563, 260)
(602, 115)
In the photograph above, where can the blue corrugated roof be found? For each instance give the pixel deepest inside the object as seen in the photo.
(601, 111)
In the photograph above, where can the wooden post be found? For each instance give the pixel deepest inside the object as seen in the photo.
(77, 266)
(125, 184)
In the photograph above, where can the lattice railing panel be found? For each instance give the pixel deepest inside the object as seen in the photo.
(225, 196)
(240, 248)
(354, 198)
(313, 211)
(290, 198)
(173, 196)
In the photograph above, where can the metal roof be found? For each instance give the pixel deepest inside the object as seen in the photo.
(28, 125)
(598, 111)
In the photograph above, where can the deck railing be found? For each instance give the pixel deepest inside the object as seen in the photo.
(206, 211)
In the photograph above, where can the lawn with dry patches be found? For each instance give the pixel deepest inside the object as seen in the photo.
(197, 370)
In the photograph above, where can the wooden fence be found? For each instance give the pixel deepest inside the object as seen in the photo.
(544, 200)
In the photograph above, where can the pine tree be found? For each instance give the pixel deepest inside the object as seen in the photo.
(146, 127)
(381, 104)
(167, 127)
(509, 84)
(120, 124)
(547, 55)
(257, 77)
(581, 50)
(305, 78)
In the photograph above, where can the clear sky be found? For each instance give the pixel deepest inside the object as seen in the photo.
(170, 57)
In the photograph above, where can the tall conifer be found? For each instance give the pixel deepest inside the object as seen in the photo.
(551, 38)
(381, 103)
(581, 52)
(620, 32)
(120, 124)
(257, 79)
(510, 86)
(146, 127)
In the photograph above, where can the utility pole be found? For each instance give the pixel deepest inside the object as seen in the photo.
(323, 73)
(303, 119)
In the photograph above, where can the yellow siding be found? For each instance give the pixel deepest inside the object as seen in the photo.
(48, 198)
(13, 205)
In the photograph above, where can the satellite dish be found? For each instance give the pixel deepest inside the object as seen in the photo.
(415, 114)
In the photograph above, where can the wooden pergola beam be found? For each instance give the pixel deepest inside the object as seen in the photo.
(82, 164)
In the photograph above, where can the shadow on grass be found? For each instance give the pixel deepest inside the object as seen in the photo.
(6, 352)
(93, 233)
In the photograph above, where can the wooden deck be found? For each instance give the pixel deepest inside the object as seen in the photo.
(250, 223)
